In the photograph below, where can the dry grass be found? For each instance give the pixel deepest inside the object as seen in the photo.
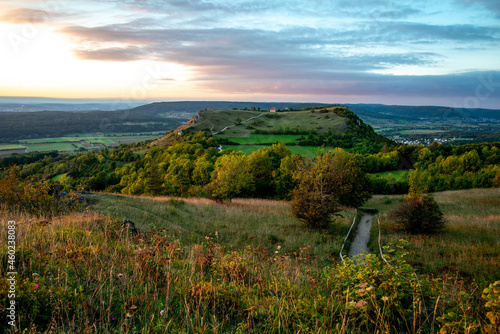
(82, 273)
(202, 267)
(240, 223)
(470, 243)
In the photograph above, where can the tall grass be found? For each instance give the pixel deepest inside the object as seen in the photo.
(201, 267)
(84, 273)
(470, 243)
(238, 224)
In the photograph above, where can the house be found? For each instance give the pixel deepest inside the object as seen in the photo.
(272, 109)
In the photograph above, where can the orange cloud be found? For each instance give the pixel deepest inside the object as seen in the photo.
(26, 15)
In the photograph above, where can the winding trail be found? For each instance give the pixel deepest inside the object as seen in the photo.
(230, 126)
(360, 242)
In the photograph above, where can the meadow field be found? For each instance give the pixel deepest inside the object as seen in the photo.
(238, 224)
(224, 122)
(247, 266)
(308, 151)
(469, 247)
(254, 139)
(396, 174)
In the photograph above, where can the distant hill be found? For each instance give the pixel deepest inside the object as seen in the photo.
(242, 123)
(426, 123)
(333, 125)
(64, 119)
(418, 112)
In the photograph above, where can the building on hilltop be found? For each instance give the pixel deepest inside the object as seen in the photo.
(272, 109)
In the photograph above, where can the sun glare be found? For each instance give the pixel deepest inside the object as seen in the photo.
(44, 64)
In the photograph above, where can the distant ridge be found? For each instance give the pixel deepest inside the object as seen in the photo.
(336, 122)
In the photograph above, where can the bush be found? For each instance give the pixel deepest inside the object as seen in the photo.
(419, 214)
(37, 198)
(314, 208)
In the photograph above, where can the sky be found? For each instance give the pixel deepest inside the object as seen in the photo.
(420, 52)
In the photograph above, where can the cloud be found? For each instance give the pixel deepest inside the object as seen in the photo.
(128, 53)
(27, 15)
(491, 5)
(317, 47)
(457, 87)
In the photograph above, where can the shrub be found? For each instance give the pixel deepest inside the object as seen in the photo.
(419, 214)
(314, 208)
(38, 198)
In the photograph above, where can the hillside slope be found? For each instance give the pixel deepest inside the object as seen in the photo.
(319, 124)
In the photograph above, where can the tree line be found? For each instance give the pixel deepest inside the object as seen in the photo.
(193, 166)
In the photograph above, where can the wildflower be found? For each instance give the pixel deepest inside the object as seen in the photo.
(385, 298)
(133, 307)
(161, 312)
(37, 286)
(363, 285)
(361, 303)
(120, 275)
(216, 233)
(128, 316)
(360, 291)
(370, 288)
(276, 252)
(113, 319)
(279, 247)
(352, 304)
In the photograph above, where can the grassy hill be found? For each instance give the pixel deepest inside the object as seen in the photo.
(330, 126)
(242, 123)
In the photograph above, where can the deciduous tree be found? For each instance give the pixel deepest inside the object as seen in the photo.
(333, 179)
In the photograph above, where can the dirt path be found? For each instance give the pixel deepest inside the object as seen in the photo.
(230, 126)
(360, 243)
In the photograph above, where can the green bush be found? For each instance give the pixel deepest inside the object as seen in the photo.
(314, 208)
(419, 214)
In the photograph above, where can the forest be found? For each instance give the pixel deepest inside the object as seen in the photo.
(192, 166)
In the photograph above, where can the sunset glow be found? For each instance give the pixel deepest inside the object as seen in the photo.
(323, 51)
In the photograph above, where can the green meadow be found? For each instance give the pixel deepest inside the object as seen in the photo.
(397, 174)
(264, 139)
(248, 266)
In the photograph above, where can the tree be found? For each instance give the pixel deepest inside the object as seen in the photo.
(230, 177)
(333, 179)
(264, 165)
(496, 180)
(154, 181)
(419, 214)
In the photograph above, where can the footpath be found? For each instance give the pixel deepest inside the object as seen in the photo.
(360, 242)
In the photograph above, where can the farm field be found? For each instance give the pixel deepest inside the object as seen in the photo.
(75, 143)
(4, 147)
